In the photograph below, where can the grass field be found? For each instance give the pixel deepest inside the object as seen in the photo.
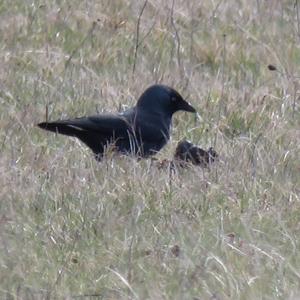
(72, 228)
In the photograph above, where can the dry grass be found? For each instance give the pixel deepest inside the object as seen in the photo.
(72, 228)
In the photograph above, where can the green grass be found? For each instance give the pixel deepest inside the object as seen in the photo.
(72, 228)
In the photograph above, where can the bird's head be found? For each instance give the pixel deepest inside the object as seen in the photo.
(162, 99)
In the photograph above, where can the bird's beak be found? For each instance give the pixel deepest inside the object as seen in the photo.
(184, 105)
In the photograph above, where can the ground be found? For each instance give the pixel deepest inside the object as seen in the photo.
(73, 228)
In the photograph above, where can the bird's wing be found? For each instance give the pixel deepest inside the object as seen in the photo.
(95, 131)
(106, 125)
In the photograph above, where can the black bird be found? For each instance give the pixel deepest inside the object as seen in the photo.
(141, 130)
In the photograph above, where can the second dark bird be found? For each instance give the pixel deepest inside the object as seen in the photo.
(141, 130)
(186, 152)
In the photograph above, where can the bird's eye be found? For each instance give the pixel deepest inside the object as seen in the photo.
(173, 99)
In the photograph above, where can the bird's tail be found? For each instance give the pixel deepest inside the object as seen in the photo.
(68, 127)
(61, 127)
